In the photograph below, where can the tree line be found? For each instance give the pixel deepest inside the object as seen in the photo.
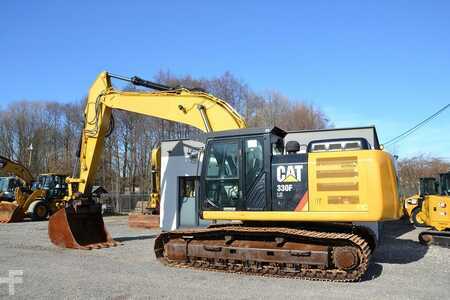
(53, 129)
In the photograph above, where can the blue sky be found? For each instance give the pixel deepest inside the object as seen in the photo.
(363, 62)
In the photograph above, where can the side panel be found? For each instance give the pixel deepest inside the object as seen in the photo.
(338, 182)
(290, 182)
(437, 211)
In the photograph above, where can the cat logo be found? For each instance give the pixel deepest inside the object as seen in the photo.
(289, 173)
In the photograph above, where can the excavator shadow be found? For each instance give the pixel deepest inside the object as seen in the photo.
(394, 249)
(135, 238)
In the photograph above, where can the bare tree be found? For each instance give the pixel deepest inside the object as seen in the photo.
(411, 169)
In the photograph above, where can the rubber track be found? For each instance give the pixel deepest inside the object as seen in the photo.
(305, 272)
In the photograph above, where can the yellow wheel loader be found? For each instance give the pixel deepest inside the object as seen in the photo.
(33, 199)
(427, 186)
(301, 211)
(434, 212)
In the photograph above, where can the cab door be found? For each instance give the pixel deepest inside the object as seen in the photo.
(255, 177)
(222, 169)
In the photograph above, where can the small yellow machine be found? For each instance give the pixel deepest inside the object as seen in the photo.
(427, 186)
(434, 212)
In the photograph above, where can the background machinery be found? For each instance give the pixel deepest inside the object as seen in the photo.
(308, 212)
(433, 210)
(21, 177)
(33, 199)
(427, 186)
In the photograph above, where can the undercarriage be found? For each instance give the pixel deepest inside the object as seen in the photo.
(270, 251)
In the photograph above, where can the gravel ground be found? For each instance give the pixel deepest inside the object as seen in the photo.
(401, 268)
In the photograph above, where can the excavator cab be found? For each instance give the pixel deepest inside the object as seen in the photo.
(54, 184)
(236, 175)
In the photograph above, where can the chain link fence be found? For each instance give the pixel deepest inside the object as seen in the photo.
(116, 203)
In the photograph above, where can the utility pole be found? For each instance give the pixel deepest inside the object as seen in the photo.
(31, 151)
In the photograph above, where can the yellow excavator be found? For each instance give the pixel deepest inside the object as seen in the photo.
(303, 213)
(33, 199)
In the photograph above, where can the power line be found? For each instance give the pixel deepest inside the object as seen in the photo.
(420, 124)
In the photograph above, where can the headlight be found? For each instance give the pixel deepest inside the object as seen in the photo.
(412, 201)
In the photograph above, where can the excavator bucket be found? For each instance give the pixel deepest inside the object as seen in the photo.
(10, 213)
(79, 227)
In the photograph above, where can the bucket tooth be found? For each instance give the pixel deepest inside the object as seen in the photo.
(79, 227)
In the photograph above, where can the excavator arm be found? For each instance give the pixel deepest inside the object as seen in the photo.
(17, 169)
(73, 227)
